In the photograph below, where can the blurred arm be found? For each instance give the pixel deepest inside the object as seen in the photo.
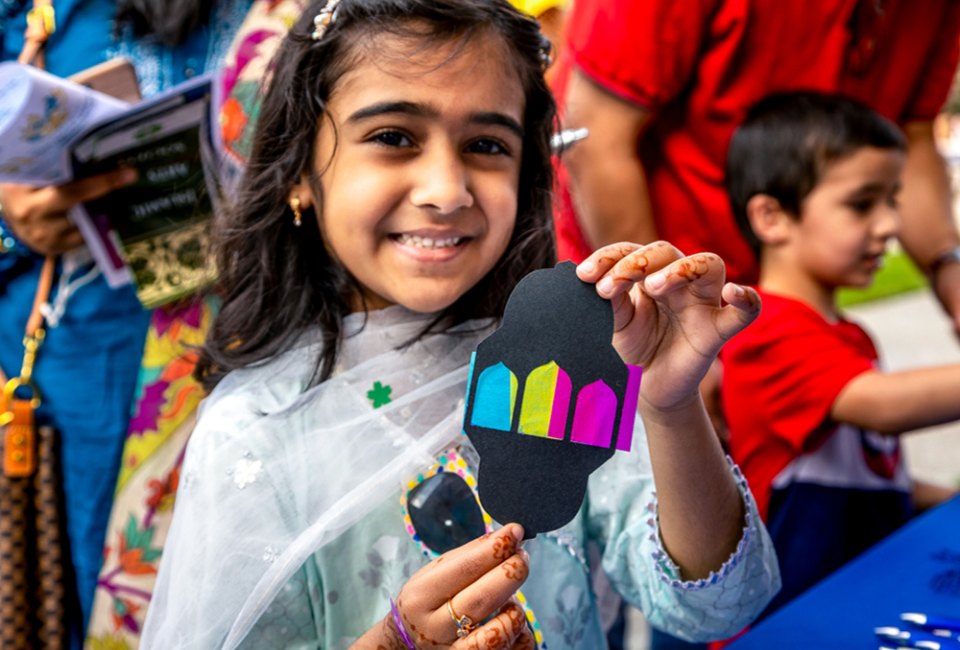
(897, 402)
(928, 495)
(37, 216)
(928, 225)
(608, 185)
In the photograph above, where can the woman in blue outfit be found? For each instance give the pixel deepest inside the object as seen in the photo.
(87, 367)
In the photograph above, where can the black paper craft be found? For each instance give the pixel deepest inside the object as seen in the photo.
(548, 401)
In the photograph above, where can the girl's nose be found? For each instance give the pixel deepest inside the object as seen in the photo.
(442, 182)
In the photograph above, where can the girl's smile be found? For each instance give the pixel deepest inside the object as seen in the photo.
(431, 245)
(418, 164)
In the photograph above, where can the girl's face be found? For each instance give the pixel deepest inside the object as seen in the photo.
(848, 218)
(419, 165)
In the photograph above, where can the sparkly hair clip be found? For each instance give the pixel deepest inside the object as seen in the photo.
(323, 19)
(546, 48)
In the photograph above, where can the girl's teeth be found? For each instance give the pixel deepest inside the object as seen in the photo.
(427, 242)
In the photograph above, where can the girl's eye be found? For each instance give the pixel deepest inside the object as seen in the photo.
(392, 139)
(488, 147)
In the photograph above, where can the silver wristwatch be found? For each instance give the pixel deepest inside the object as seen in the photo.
(951, 256)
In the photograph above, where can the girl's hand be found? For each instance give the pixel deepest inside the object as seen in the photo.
(38, 215)
(668, 314)
(478, 580)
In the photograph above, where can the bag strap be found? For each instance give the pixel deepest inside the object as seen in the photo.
(41, 23)
(17, 412)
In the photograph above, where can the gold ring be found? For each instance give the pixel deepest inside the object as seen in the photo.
(465, 624)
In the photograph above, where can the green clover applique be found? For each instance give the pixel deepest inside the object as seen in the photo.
(379, 394)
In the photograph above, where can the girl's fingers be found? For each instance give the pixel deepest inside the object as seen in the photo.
(499, 633)
(525, 641)
(632, 267)
(703, 274)
(461, 567)
(603, 259)
(742, 308)
(488, 593)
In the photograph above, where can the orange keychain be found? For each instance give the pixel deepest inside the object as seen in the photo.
(19, 444)
(17, 412)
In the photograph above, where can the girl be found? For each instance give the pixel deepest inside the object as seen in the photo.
(397, 191)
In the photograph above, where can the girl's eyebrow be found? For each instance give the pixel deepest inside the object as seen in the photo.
(420, 110)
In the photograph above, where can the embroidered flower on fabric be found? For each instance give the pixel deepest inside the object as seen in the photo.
(270, 554)
(389, 565)
(573, 613)
(246, 471)
(379, 395)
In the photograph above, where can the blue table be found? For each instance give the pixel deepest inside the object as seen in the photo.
(917, 569)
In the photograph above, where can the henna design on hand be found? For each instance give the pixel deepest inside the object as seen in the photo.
(493, 637)
(624, 249)
(525, 642)
(503, 547)
(694, 268)
(391, 637)
(515, 569)
(635, 263)
(420, 636)
(517, 619)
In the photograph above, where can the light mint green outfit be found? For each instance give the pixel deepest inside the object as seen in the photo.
(325, 568)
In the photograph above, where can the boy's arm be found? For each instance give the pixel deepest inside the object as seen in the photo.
(897, 402)
(928, 495)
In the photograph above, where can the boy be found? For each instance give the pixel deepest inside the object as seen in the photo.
(813, 421)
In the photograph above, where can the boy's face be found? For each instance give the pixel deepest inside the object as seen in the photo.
(419, 164)
(848, 218)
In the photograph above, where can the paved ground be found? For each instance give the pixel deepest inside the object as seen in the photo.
(911, 332)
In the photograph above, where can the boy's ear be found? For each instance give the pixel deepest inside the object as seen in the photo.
(768, 219)
(301, 190)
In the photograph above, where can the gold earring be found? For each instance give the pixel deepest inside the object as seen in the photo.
(297, 215)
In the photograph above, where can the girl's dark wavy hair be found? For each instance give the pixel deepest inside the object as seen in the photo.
(169, 21)
(277, 280)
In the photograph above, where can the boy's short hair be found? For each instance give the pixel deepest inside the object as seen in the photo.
(786, 142)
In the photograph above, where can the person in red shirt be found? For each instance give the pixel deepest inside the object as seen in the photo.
(813, 420)
(661, 85)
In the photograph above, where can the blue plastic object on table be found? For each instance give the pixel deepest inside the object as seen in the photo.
(917, 569)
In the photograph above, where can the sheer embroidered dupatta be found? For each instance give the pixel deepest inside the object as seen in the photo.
(273, 473)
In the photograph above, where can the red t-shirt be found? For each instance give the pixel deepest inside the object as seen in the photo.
(781, 376)
(826, 490)
(698, 65)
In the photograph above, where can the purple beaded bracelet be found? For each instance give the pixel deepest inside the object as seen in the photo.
(401, 628)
